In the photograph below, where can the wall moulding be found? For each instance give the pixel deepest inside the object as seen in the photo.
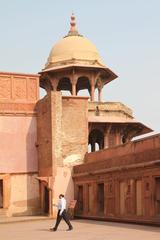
(17, 108)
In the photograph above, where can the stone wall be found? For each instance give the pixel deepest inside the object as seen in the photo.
(24, 195)
(44, 143)
(18, 135)
(74, 129)
(62, 142)
(142, 146)
(49, 133)
(62, 132)
(18, 127)
(121, 183)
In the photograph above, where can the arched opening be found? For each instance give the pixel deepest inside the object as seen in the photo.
(123, 139)
(83, 93)
(66, 93)
(96, 139)
(64, 85)
(83, 84)
(42, 93)
(45, 84)
(97, 147)
(96, 95)
(89, 147)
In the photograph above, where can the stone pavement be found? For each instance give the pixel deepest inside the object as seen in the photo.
(4, 220)
(83, 230)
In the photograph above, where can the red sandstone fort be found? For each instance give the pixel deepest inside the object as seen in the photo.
(44, 142)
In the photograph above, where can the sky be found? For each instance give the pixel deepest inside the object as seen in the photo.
(125, 32)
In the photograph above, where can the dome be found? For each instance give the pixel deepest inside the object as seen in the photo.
(73, 48)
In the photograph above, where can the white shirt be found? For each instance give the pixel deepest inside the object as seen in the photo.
(61, 204)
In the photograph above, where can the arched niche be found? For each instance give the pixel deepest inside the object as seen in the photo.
(96, 139)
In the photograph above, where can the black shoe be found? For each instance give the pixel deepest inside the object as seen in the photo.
(69, 229)
(53, 229)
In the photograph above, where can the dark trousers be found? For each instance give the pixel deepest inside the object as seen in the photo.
(64, 215)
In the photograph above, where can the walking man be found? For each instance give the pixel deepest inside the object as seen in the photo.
(62, 213)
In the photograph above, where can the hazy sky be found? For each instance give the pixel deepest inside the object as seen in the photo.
(126, 33)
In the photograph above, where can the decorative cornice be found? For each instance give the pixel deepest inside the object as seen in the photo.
(20, 74)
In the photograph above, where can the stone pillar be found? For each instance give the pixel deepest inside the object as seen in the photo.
(99, 85)
(99, 94)
(106, 135)
(50, 202)
(94, 211)
(54, 83)
(106, 140)
(85, 201)
(74, 82)
(92, 92)
(73, 89)
(92, 89)
(118, 138)
(101, 145)
(92, 146)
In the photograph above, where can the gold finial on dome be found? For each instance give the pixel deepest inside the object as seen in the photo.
(73, 30)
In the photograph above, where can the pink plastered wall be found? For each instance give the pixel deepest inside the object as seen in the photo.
(18, 135)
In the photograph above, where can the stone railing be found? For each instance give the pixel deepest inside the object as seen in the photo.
(109, 106)
(138, 153)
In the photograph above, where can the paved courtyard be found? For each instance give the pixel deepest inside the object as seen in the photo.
(83, 230)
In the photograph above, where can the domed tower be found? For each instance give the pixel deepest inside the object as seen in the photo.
(69, 126)
(74, 64)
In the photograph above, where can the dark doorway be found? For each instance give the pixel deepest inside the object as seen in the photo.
(1, 193)
(46, 200)
(157, 193)
(100, 198)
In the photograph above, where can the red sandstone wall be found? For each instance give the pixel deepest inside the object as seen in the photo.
(44, 144)
(130, 180)
(18, 152)
(18, 127)
(19, 87)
